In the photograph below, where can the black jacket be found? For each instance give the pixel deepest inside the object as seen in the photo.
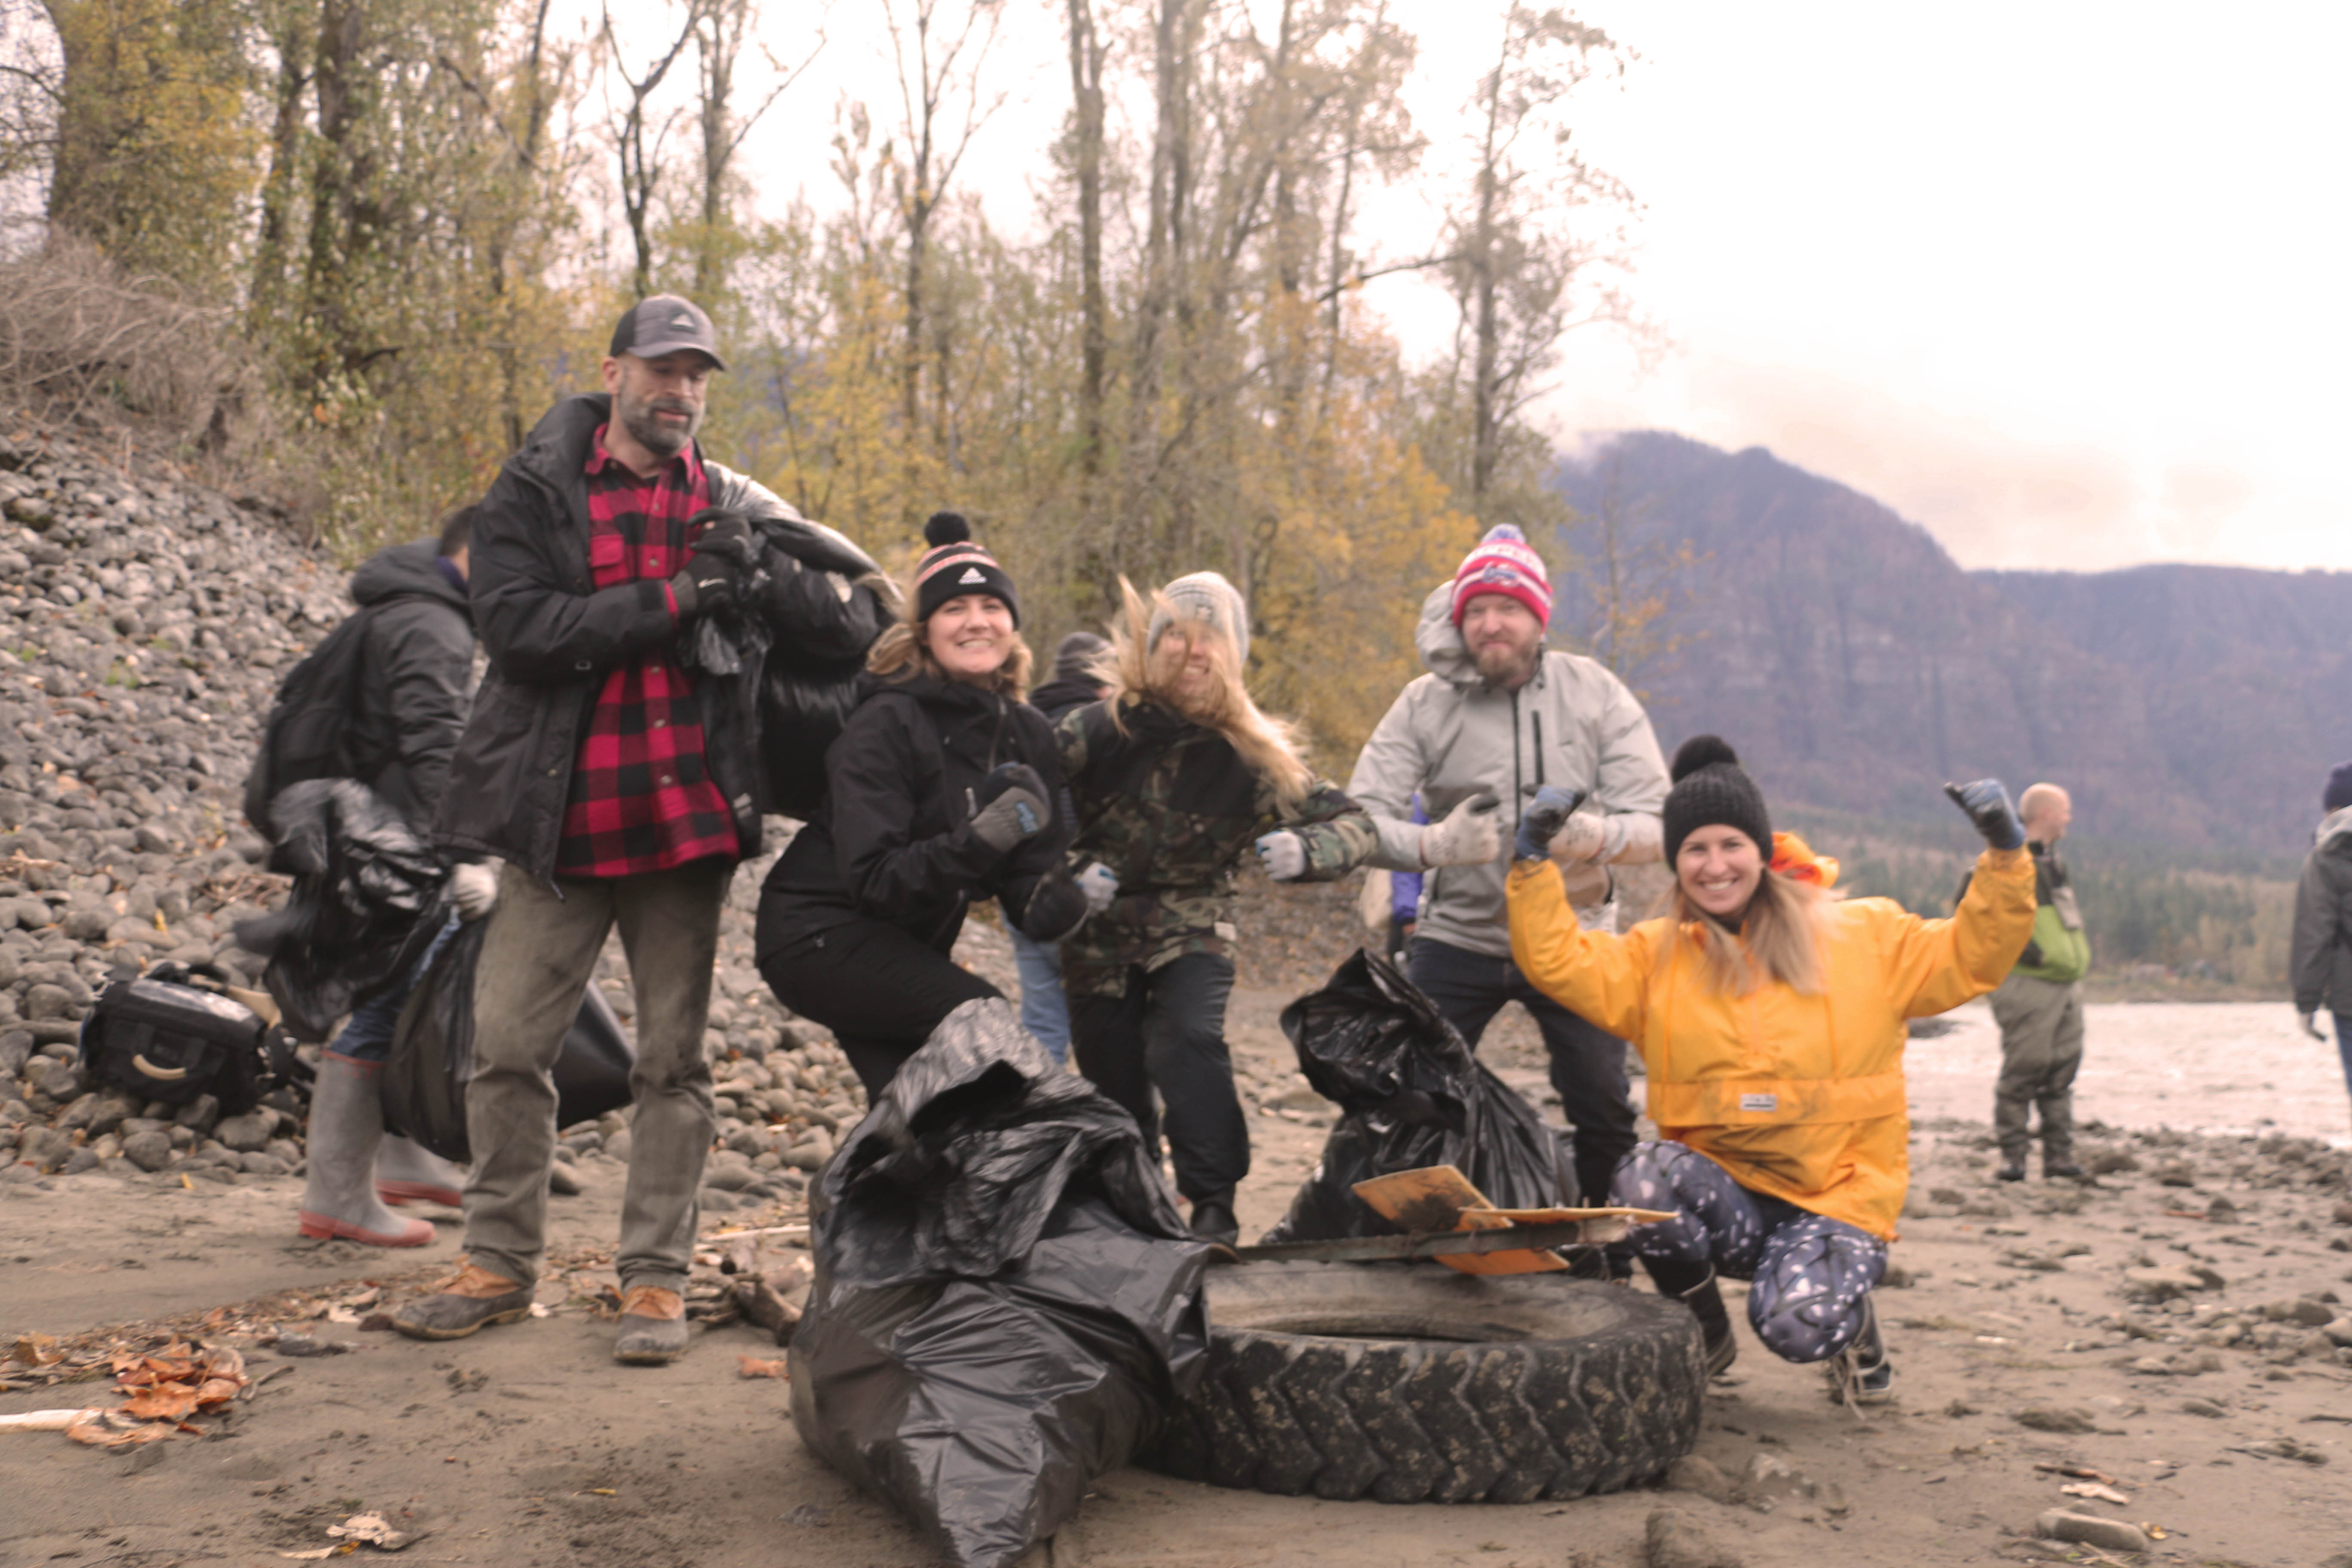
(1056, 698)
(417, 663)
(552, 636)
(894, 840)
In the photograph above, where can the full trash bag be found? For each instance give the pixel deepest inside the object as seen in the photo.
(1006, 1305)
(1411, 1095)
(368, 896)
(423, 1087)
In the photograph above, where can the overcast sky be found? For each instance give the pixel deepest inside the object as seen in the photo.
(2065, 282)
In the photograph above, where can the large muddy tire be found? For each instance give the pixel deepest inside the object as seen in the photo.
(1417, 1383)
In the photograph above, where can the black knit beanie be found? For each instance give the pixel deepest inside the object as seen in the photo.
(1712, 790)
(955, 565)
(1075, 656)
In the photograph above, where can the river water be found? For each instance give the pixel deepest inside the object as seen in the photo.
(2218, 1066)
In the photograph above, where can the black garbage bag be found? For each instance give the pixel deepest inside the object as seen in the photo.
(1006, 1306)
(807, 692)
(369, 897)
(423, 1084)
(1411, 1095)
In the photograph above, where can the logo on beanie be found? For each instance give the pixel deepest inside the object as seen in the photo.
(972, 575)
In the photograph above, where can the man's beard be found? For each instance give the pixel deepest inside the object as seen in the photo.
(662, 441)
(1506, 664)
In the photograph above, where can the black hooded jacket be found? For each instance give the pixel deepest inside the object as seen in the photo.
(894, 840)
(418, 662)
(552, 635)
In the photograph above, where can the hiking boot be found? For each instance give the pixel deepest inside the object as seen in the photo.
(652, 1326)
(408, 1173)
(1213, 1221)
(1863, 1372)
(2012, 1172)
(1696, 1287)
(471, 1299)
(2062, 1170)
(339, 1200)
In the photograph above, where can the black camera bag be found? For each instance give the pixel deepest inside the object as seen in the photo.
(172, 1034)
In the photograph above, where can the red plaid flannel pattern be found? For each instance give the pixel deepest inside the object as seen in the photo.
(642, 796)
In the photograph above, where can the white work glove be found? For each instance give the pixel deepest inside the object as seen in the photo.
(473, 888)
(1471, 835)
(2311, 1026)
(1284, 854)
(1099, 883)
(1580, 838)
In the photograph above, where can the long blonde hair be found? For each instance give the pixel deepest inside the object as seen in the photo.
(1269, 746)
(1779, 939)
(903, 652)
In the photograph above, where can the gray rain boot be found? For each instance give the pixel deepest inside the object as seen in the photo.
(408, 1173)
(346, 1126)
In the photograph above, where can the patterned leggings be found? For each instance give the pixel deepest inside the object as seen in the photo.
(1811, 1273)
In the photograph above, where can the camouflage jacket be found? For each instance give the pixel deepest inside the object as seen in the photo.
(1172, 808)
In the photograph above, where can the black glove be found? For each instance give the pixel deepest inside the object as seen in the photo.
(1012, 806)
(1542, 821)
(726, 535)
(1056, 908)
(1987, 803)
(709, 582)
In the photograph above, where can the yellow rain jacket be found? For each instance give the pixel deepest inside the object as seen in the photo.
(1797, 1097)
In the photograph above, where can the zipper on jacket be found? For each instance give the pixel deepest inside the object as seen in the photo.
(1538, 719)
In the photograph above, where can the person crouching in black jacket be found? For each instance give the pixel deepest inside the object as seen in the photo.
(943, 791)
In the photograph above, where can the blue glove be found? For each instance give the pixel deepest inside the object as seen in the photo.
(1987, 803)
(1543, 818)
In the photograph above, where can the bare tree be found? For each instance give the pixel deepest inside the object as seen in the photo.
(640, 130)
(724, 30)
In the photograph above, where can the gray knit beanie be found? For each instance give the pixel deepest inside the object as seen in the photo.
(1202, 597)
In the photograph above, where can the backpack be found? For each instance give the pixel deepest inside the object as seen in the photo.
(174, 1033)
(307, 734)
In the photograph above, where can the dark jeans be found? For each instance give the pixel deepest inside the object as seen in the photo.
(1169, 1033)
(2344, 1045)
(878, 989)
(1588, 1063)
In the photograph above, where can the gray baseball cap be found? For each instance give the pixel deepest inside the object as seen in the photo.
(664, 324)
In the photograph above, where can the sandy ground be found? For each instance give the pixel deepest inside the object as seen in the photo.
(528, 1445)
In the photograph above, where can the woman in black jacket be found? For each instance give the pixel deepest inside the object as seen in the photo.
(941, 792)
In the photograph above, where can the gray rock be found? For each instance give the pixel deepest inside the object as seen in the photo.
(2090, 1530)
(148, 1151)
(200, 1115)
(262, 1166)
(2160, 1284)
(247, 1135)
(2204, 1408)
(80, 1160)
(2064, 1419)
(44, 1148)
(2308, 1313)
(1673, 1539)
(1691, 1473)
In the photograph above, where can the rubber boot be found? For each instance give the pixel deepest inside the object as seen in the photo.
(1694, 1285)
(408, 1173)
(339, 1201)
(1213, 1220)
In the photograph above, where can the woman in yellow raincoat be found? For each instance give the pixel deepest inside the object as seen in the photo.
(1771, 1019)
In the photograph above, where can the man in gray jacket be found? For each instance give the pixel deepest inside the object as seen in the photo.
(2321, 966)
(1497, 717)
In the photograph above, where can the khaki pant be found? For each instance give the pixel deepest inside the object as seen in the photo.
(2041, 1048)
(538, 956)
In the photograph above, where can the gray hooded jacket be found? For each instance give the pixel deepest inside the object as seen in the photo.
(2321, 966)
(1450, 735)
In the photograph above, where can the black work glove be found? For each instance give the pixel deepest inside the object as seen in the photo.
(1542, 821)
(1012, 806)
(726, 535)
(1056, 908)
(709, 582)
(1987, 803)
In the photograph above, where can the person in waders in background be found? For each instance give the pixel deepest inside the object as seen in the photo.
(2320, 967)
(1176, 777)
(1771, 1019)
(2040, 1007)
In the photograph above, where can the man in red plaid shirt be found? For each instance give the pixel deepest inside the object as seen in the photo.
(584, 768)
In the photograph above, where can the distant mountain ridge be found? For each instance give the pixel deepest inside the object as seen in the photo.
(1856, 667)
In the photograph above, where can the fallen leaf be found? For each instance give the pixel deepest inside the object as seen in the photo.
(2093, 1490)
(37, 1350)
(161, 1403)
(754, 1367)
(601, 1491)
